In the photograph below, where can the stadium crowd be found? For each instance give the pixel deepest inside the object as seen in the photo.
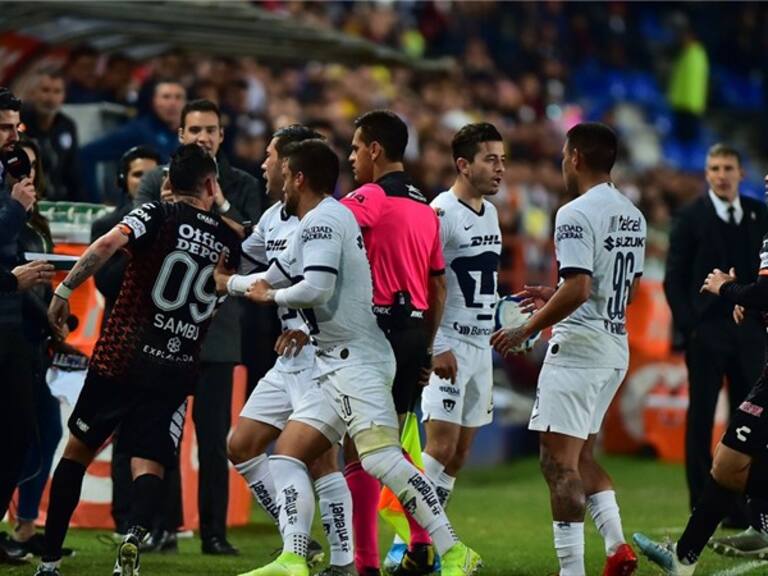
(510, 70)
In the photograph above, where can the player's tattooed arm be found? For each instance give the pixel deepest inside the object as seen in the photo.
(95, 257)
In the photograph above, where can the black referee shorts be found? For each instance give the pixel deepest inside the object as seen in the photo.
(148, 403)
(748, 427)
(409, 342)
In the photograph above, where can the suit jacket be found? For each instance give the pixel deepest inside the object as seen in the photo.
(696, 248)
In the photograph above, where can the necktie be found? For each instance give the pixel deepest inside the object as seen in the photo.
(732, 215)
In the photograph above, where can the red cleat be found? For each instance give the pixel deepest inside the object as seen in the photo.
(623, 562)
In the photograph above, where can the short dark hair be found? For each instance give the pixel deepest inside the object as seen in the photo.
(293, 133)
(316, 160)
(720, 149)
(466, 142)
(200, 105)
(135, 153)
(190, 166)
(386, 128)
(51, 72)
(8, 100)
(597, 144)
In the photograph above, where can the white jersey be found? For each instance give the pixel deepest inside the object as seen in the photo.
(269, 239)
(329, 239)
(472, 248)
(601, 233)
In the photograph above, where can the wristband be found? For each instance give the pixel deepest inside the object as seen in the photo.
(63, 291)
(225, 206)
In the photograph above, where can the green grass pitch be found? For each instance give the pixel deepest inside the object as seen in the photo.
(502, 512)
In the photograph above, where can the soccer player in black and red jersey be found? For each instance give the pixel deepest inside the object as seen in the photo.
(144, 364)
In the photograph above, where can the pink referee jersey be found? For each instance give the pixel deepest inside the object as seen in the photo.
(402, 237)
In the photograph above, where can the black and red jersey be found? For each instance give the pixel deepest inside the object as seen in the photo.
(168, 295)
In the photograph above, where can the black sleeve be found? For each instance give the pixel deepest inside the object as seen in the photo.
(752, 296)
(678, 273)
(249, 203)
(8, 282)
(142, 224)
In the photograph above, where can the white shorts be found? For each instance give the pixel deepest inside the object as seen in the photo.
(350, 399)
(277, 395)
(468, 402)
(573, 401)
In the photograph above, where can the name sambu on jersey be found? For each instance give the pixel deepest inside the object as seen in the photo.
(472, 247)
(601, 233)
(270, 238)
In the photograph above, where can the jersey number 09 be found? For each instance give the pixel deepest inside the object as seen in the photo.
(192, 279)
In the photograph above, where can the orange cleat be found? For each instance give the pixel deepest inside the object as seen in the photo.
(623, 562)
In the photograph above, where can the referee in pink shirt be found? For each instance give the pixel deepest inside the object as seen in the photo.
(402, 238)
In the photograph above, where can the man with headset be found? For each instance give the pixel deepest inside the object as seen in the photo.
(136, 162)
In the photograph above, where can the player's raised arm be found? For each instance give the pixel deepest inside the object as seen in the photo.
(92, 260)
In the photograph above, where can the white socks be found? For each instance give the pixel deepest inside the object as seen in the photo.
(569, 545)
(415, 492)
(442, 482)
(258, 476)
(296, 500)
(336, 513)
(604, 510)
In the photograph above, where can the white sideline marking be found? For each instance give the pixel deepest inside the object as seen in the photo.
(741, 569)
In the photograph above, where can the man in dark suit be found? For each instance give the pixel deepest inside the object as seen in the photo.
(721, 230)
(240, 199)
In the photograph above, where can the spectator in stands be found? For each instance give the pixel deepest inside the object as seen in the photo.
(239, 200)
(16, 413)
(720, 229)
(82, 80)
(116, 81)
(156, 129)
(55, 134)
(689, 83)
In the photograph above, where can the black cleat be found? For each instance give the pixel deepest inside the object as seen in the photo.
(161, 541)
(417, 561)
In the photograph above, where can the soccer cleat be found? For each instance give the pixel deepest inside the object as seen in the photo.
(663, 555)
(460, 560)
(43, 571)
(416, 562)
(394, 556)
(623, 562)
(127, 562)
(287, 564)
(370, 572)
(750, 543)
(348, 570)
(161, 541)
(315, 553)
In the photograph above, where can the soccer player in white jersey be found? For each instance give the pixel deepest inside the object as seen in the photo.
(458, 399)
(279, 391)
(355, 366)
(600, 247)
